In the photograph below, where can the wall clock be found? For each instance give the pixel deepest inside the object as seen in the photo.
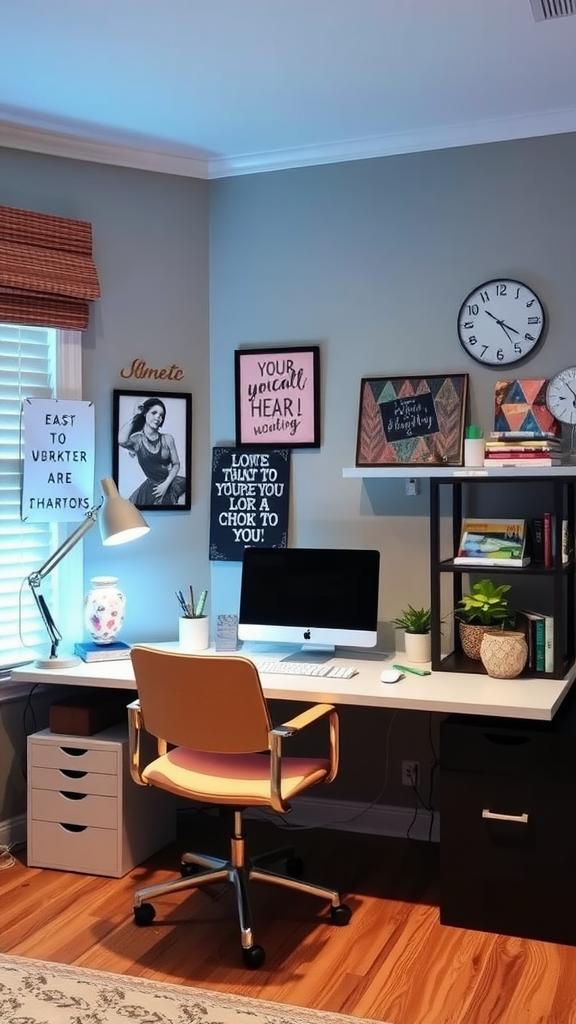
(500, 322)
(561, 395)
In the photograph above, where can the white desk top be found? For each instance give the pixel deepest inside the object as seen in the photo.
(441, 691)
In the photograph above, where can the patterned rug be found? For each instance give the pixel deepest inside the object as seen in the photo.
(36, 992)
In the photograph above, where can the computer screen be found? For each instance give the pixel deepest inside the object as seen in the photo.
(316, 597)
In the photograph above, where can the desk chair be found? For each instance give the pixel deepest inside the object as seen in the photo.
(216, 744)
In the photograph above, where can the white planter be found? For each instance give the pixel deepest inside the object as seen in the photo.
(417, 647)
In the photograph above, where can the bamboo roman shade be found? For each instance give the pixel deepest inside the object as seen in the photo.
(47, 272)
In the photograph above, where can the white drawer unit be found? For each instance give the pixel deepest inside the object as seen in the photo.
(85, 813)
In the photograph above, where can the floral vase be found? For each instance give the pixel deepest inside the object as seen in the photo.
(104, 607)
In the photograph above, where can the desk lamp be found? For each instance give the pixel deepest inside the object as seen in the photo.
(120, 521)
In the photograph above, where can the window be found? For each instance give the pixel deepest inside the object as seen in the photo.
(35, 362)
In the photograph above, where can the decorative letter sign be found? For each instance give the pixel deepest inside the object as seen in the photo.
(249, 501)
(58, 479)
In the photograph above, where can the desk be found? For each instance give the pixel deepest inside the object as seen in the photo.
(448, 692)
(462, 790)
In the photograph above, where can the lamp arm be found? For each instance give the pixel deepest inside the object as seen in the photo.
(91, 517)
(50, 626)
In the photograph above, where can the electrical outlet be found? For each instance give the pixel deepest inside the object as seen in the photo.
(410, 773)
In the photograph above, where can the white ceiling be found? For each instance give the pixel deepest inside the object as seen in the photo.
(209, 88)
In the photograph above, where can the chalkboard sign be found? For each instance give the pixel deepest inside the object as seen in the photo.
(249, 501)
(409, 417)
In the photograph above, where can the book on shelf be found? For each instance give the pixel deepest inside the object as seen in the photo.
(548, 643)
(493, 542)
(524, 435)
(522, 462)
(533, 625)
(115, 651)
(537, 539)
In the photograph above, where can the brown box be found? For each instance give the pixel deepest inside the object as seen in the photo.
(88, 713)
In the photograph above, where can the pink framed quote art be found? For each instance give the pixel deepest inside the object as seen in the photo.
(278, 396)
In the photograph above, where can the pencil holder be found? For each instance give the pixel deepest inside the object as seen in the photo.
(194, 634)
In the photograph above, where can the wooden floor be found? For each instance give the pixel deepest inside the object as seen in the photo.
(394, 962)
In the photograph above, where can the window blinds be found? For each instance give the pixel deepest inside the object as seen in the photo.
(27, 369)
(47, 272)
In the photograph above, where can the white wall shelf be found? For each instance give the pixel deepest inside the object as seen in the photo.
(457, 472)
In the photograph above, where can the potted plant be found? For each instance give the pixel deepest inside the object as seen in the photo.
(483, 610)
(416, 625)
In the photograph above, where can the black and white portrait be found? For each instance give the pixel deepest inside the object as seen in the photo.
(152, 436)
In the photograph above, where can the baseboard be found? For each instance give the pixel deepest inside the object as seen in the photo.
(354, 816)
(13, 832)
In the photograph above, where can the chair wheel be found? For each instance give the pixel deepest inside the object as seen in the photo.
(340, 915)
(187, 870)
(144, 914)
(295, 867)
(253, 957)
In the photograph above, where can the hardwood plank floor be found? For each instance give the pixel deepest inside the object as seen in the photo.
(394, 962)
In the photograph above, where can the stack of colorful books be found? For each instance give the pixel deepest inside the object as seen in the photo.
(523, 449)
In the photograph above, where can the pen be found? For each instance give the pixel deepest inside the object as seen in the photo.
(191, 605)
(415, 671)
(200, 606)
(182, 603)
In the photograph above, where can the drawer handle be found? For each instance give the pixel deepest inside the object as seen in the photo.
(73, 796)
(69, 773)
(72, 828)
(522, 819)
(74, 751)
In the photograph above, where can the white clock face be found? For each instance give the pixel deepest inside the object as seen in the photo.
(500, 322)
(561, 395)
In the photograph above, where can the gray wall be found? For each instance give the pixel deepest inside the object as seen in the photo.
(370, 260)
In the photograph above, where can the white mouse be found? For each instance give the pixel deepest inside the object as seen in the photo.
(391, 675)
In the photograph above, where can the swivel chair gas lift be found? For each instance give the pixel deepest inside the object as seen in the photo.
(216, 744)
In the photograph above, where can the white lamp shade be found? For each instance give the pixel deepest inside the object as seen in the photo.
(119, 520)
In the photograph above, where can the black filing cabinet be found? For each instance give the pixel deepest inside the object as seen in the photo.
(508, 825)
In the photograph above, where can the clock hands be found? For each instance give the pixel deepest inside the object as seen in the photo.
(505, 327)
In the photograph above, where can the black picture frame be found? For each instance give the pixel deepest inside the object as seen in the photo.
(277, 391)
(130, 461)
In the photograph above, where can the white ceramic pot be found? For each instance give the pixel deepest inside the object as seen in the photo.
(417, 647)
(104, 607)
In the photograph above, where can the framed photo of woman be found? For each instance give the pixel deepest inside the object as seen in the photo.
(152, 449)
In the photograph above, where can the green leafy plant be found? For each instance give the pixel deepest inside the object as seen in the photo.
(413, 620)
(485, 605)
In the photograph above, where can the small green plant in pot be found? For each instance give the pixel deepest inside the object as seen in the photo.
(484, 608)
(413, 620)
(416, 625)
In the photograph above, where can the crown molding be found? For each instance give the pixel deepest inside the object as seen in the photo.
(53, 143)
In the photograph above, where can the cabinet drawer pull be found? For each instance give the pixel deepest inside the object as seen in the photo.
(522, 819)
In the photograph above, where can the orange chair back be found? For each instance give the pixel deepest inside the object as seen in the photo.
(204, 702)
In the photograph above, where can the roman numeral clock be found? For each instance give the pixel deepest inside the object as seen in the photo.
(501, 322)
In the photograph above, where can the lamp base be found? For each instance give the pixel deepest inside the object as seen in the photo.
(68, 661)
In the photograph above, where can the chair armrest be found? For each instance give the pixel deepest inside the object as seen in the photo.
(135, 727)
(312, 714)
(292, 728)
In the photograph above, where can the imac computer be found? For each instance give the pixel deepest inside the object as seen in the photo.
(315, 597)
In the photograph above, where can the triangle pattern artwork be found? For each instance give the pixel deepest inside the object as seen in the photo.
(520, 405)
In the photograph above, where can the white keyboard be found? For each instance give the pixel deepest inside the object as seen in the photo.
(303, 668)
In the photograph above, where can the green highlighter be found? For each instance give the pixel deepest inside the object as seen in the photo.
(414, 671)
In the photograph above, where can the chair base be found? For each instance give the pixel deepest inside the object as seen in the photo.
(239, 873)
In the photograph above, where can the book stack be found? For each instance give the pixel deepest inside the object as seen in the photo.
(523, 449)
(102, 652)
(539, 631)
(493, 542)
